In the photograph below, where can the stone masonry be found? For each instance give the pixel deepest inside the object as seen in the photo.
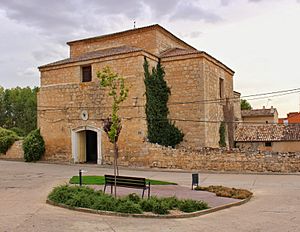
(195, 79)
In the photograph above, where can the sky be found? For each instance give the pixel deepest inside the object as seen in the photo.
(258, 39)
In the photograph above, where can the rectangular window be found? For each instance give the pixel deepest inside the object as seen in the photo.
(86, 73)
(268, 144)
(221, 88)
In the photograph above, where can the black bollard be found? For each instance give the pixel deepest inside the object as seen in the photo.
(80, 177)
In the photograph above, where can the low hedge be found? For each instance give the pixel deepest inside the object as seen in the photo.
(7, 138)
(86, 197)
(222, 191)
(33, 146)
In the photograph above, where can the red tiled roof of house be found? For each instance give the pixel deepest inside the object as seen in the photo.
(95, 54)
(293, 117)
(259, 112)
(267, 132)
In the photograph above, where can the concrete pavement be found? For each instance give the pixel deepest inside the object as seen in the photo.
(24, 188)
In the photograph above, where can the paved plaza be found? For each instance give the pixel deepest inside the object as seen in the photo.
(24, 188)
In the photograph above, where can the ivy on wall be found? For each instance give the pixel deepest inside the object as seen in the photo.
(160, 129)
(222, 132)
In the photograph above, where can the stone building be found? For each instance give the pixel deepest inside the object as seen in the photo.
(263, 115)
(72, 106)
(268, 137)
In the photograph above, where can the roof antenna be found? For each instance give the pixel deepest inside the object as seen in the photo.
(133, 24)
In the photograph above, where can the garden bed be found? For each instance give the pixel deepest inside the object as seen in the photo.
(85, 197)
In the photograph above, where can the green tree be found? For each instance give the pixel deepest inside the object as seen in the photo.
(112, 126)
(222, 133)
(245, 105)
(160, 129)
(18, 109)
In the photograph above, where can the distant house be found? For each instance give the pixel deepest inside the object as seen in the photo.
(293, 117)
(268, 137)
(263, 115)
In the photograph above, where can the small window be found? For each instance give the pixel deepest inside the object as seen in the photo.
(86, 73)
(268, 144)
(221, 88)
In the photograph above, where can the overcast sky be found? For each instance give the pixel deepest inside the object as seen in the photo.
(258, 39)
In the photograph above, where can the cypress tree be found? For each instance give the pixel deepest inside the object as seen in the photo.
(160, 129)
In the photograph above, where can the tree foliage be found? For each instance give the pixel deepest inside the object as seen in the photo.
(222, 133)
(112, 125)
(160, 129)
(18, 109)
(245, 105)
(118, 91)
(33, 146)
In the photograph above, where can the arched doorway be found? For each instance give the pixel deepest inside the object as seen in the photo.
(91, 146)
(86, 145)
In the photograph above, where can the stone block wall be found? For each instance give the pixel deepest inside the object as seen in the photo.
(59, 106)
(153, 40)
(209, 159)
(15, 151)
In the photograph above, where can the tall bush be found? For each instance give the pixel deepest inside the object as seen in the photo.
(33, 146)
(160, 129)
(7, 138)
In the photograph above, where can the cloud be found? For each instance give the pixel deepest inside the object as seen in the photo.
(191, 11)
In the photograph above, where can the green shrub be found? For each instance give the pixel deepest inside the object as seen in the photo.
(134, 198)
(105, 202)
(189, 206)
(86, 197)
(33, 146)
(160, 208)
(20, 132)
(171, 202)
(7, 138)
(160, 129)
(129, 207)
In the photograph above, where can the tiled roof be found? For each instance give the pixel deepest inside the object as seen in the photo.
(267, 132)
(181, 52)
(259, 112)
(95, 55)
(178, 52)
(135, 30)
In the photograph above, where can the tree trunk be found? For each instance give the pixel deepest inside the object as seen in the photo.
(116, 169)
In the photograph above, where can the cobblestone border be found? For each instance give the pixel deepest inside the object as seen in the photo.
(183, 215)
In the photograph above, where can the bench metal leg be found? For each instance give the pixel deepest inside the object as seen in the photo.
(111, 189)
(148, 192)
(143, 193)
(104, 188)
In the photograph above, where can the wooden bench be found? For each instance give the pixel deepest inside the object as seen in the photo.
(127, 182)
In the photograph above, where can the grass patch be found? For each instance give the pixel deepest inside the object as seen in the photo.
(86, 197)
(222, 191)
(99, 180)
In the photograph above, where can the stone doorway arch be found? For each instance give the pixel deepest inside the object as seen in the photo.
(79, 137)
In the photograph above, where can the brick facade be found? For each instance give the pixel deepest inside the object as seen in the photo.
(195, 78)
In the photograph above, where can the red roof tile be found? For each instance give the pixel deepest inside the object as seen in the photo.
(267, 132)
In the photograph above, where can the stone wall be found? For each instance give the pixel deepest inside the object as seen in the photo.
(208, 159)
(153, 40)
(15, 151)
